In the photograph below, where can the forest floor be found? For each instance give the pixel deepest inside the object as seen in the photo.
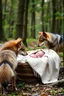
(37, 89)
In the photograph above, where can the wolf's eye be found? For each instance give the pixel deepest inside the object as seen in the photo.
(22, 49)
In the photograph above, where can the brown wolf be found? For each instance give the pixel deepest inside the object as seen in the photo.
(52, 41)
(8, 61)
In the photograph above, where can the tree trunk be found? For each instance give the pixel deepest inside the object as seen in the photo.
(42, 15)
(1, 26)
(5, 9)
(11, 22)
(48, 16)
(54, 16)
(62, 19)
(57, 21)
(19, 25)
(24, 35)
(33, 20)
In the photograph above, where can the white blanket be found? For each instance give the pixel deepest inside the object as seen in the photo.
(47, 66)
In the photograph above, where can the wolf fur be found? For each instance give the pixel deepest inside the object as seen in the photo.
(8, 61)
(52, 41)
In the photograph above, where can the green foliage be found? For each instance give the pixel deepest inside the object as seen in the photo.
(61, 54)
(12, 94)
(13, 31)
(58, 15)
(12, 11)
(9, 18)
(29, 40)
(21, 85)
(62, 90)
(37, 6)
(6, 27)
(54, 92)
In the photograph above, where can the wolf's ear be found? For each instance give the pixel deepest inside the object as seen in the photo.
(44, 34)
(18, 43)
(40, 33)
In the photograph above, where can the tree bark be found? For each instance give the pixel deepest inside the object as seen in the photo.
(20, 18)
(11, 22)
(33, 20)
(24, 35)
(1, 25)
(42, 15)
(54, 16)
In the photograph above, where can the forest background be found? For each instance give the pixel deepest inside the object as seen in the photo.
(25, 18)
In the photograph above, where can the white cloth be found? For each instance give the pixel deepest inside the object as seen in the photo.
(47, 66)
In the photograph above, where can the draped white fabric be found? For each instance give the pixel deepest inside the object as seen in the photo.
(46, 66)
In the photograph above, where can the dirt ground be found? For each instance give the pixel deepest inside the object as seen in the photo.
(36, 90)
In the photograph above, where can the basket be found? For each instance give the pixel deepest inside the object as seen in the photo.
(26, 74)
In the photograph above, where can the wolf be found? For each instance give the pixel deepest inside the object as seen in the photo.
(8, 61)
(52, 41)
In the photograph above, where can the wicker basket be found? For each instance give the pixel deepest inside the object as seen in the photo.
(26, 74)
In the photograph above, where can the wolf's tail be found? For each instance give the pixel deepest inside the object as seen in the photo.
(6, 73)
